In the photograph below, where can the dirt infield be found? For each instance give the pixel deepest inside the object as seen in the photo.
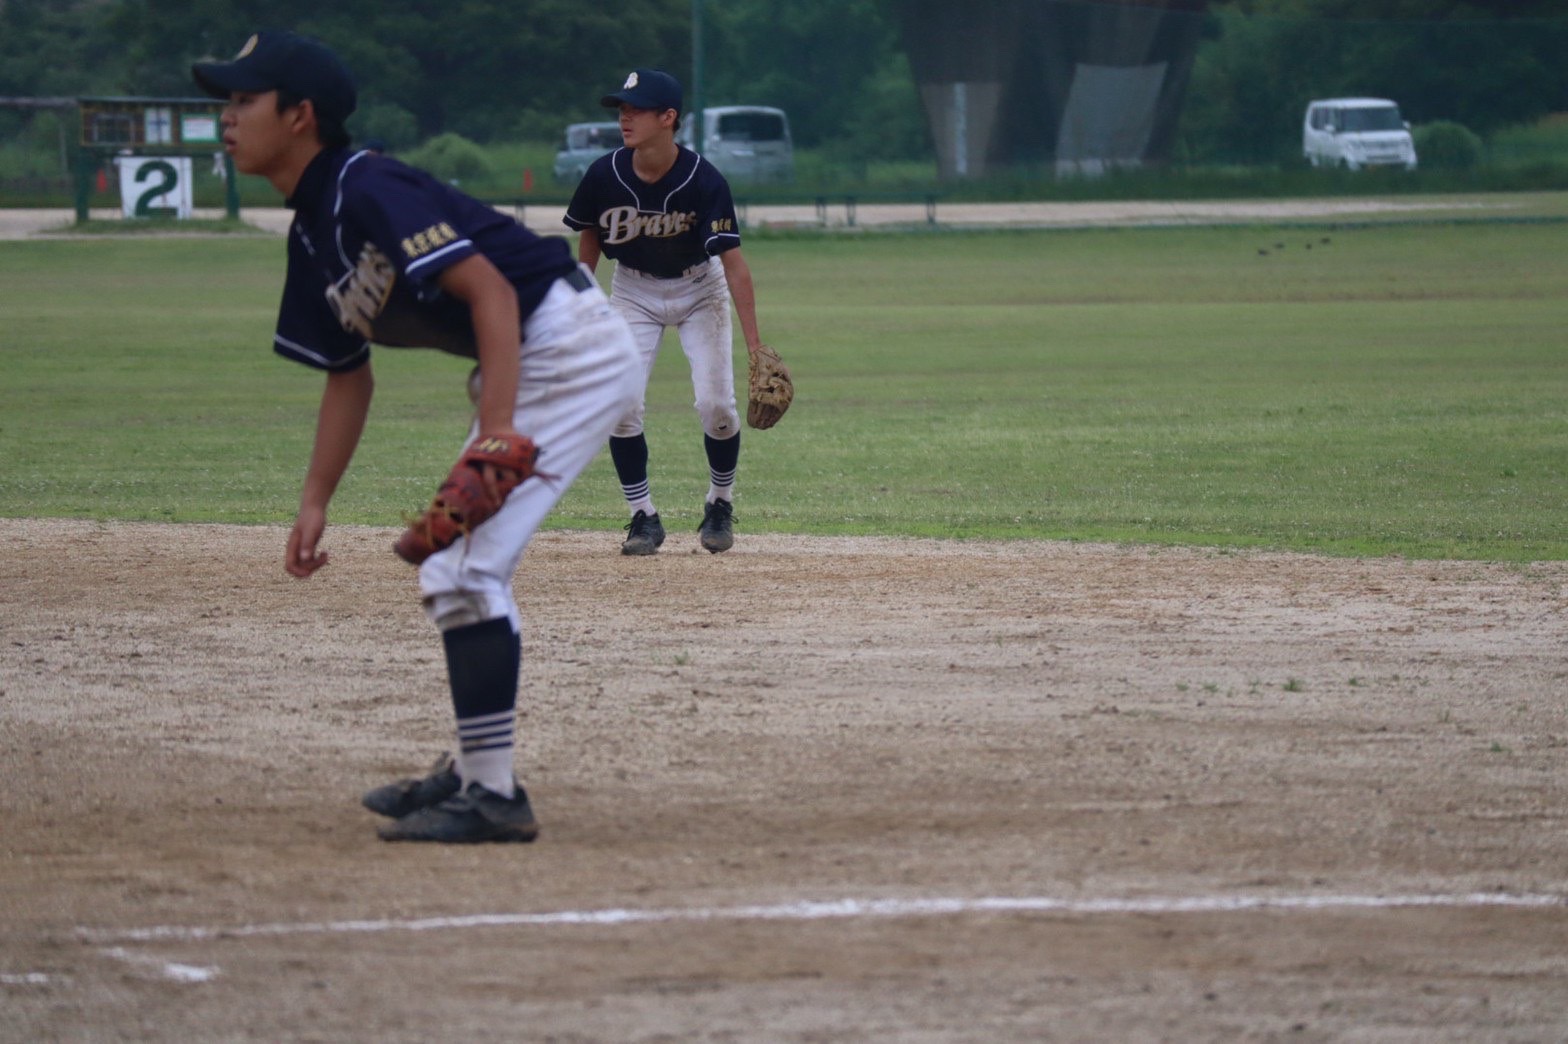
(809, 790)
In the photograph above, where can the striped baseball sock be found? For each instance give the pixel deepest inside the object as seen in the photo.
(487, 745)
(723, 456)
(482, 662)
(629, 454)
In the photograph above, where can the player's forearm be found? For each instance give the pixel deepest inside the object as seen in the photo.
(747, 314)
(497, 327)
(738, 274)
(588, 248)
(345, 403)
(497, 322)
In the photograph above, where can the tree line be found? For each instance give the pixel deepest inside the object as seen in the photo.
(519, 70)
(1484, 64)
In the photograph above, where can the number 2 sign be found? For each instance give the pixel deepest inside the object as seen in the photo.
(155, 186)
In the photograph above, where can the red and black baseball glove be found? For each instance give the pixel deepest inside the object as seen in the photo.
(474, 490)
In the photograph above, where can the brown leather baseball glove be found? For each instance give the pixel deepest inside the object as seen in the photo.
(769, 389)
(474, 490)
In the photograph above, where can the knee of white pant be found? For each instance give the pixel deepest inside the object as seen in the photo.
(630, 423)
(633, 406)
(457, 597)
(719, 421)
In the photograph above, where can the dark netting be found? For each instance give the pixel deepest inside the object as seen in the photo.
(1085, 86)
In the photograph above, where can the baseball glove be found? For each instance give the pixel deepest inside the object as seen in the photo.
(474, 490)
(769, 389)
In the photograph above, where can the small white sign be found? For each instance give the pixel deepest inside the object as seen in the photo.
(158, 126)
(198, 128)
(155, 186)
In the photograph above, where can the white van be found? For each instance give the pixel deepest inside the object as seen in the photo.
(581, 145)
(1357, 132)
(748, 143)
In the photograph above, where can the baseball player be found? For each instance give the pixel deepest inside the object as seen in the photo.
(665, 216)
(380, 252)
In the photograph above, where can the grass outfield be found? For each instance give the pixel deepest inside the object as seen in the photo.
(1400, 389)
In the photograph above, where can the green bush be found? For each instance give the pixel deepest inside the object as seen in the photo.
(394, 125)
(31, 148)
(1542, 142)
(1445, 145)
(453, 158)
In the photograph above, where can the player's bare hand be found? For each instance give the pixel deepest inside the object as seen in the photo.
(303, 556)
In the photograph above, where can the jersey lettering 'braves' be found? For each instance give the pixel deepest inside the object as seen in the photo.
(661, 229)
(623, 224)
(369, 239)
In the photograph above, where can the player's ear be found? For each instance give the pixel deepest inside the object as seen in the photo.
(302, 117)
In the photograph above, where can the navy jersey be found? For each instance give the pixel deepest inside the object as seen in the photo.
(662, 229)
(370, 236)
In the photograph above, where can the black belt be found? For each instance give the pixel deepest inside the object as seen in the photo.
(686, 274)
(579, 280)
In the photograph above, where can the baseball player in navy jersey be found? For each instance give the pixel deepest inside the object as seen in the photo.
(665, 216)
(380, 252)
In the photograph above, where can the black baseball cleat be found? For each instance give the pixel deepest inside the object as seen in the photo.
(644, 534)
(470, 816)
(396, 800)
(717, 530)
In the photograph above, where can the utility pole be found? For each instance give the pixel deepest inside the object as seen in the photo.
(694, 105)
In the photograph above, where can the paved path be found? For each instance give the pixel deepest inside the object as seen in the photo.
(837, 213)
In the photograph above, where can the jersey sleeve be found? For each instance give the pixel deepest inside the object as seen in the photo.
(583, 211)
(720, 226)
(406, 218)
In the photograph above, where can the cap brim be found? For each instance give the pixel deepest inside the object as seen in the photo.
(221, 79)
(635, 100)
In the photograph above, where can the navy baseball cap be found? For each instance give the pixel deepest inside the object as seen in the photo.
(646, 89)
(281, 60)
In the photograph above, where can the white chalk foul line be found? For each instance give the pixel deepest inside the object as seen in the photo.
(168, 969)
(26, 978)
(838, 909)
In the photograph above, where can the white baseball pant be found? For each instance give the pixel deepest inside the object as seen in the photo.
(579, 374)
(697, 305)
